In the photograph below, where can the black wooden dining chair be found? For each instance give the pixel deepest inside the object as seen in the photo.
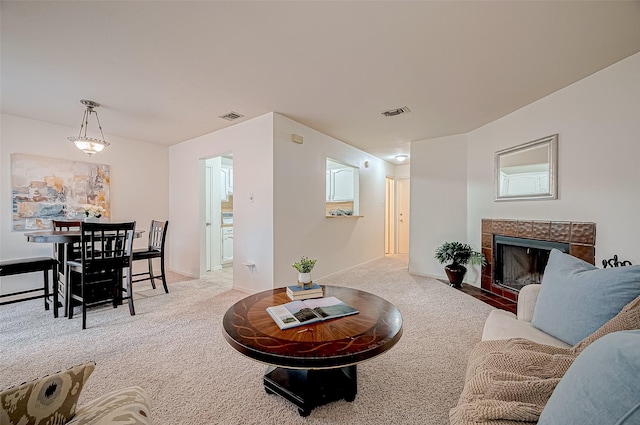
(73, 249)
(64, 252)
(99, 277)
(66, 224)
(157, 238)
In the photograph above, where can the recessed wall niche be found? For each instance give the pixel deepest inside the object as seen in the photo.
(342, 189)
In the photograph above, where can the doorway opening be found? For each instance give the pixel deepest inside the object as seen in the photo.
(218, 184)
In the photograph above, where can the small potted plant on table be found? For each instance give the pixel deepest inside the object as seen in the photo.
(304, 267)
(457, 255)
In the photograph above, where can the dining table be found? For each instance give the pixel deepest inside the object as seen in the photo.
(63, 241)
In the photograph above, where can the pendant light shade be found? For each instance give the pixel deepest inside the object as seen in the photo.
(89, 145)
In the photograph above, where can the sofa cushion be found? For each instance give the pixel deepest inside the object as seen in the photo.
(505, 325)
(127, 405)
(601, 386)
(48, 400)
(576, 298)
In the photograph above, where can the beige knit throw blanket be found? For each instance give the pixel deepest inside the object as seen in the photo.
(508, 382)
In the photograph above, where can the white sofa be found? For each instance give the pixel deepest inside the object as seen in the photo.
(502, 324)
(524, 374)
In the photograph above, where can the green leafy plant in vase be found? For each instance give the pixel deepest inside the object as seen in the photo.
(304, 267)
(457, 255)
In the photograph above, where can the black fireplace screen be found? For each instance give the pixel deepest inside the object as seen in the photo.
(519, 261)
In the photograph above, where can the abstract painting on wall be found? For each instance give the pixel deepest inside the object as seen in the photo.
(45, 189)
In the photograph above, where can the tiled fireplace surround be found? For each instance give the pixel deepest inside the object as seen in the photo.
(581, 237)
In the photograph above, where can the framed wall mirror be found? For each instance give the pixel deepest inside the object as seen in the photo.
(527, 171)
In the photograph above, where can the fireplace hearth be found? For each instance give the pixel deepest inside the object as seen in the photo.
(529, 243)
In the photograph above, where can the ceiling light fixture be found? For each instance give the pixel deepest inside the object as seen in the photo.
(402, 158)
(89, 145)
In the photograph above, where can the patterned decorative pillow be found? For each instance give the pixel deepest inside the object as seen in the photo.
(51, 400)
(127, 406)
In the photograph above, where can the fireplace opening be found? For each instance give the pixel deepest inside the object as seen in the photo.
(520, 261)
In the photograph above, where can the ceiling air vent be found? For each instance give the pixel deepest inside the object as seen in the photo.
(394, 112)
(231, 116)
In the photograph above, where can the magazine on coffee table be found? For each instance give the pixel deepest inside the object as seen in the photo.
(298, 313)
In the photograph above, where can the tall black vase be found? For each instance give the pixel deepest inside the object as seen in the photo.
(455, 273)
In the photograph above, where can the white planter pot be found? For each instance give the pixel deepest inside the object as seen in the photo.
(304, 277)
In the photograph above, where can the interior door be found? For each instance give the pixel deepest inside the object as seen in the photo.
(403, 216)
(207, 235)
(389, 222)
(212, 213)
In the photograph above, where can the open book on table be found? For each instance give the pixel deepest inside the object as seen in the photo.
(296, 313)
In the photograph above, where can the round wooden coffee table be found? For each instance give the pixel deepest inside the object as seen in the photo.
(313, 364)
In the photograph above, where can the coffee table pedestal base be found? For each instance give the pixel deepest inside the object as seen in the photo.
(308, 389)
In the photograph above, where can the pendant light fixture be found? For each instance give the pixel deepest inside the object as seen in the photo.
(89, 145)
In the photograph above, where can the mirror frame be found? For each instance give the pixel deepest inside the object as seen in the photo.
(552, 156)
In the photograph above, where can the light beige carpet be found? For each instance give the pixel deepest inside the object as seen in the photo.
(174, 349)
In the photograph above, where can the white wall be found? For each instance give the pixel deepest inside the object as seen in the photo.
(598, 123)
(139, 184)
(403, 171)
(251, 143)
(300, 225)
(438, 200)
(279, 202)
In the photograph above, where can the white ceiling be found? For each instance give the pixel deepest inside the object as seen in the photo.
(164, 71)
